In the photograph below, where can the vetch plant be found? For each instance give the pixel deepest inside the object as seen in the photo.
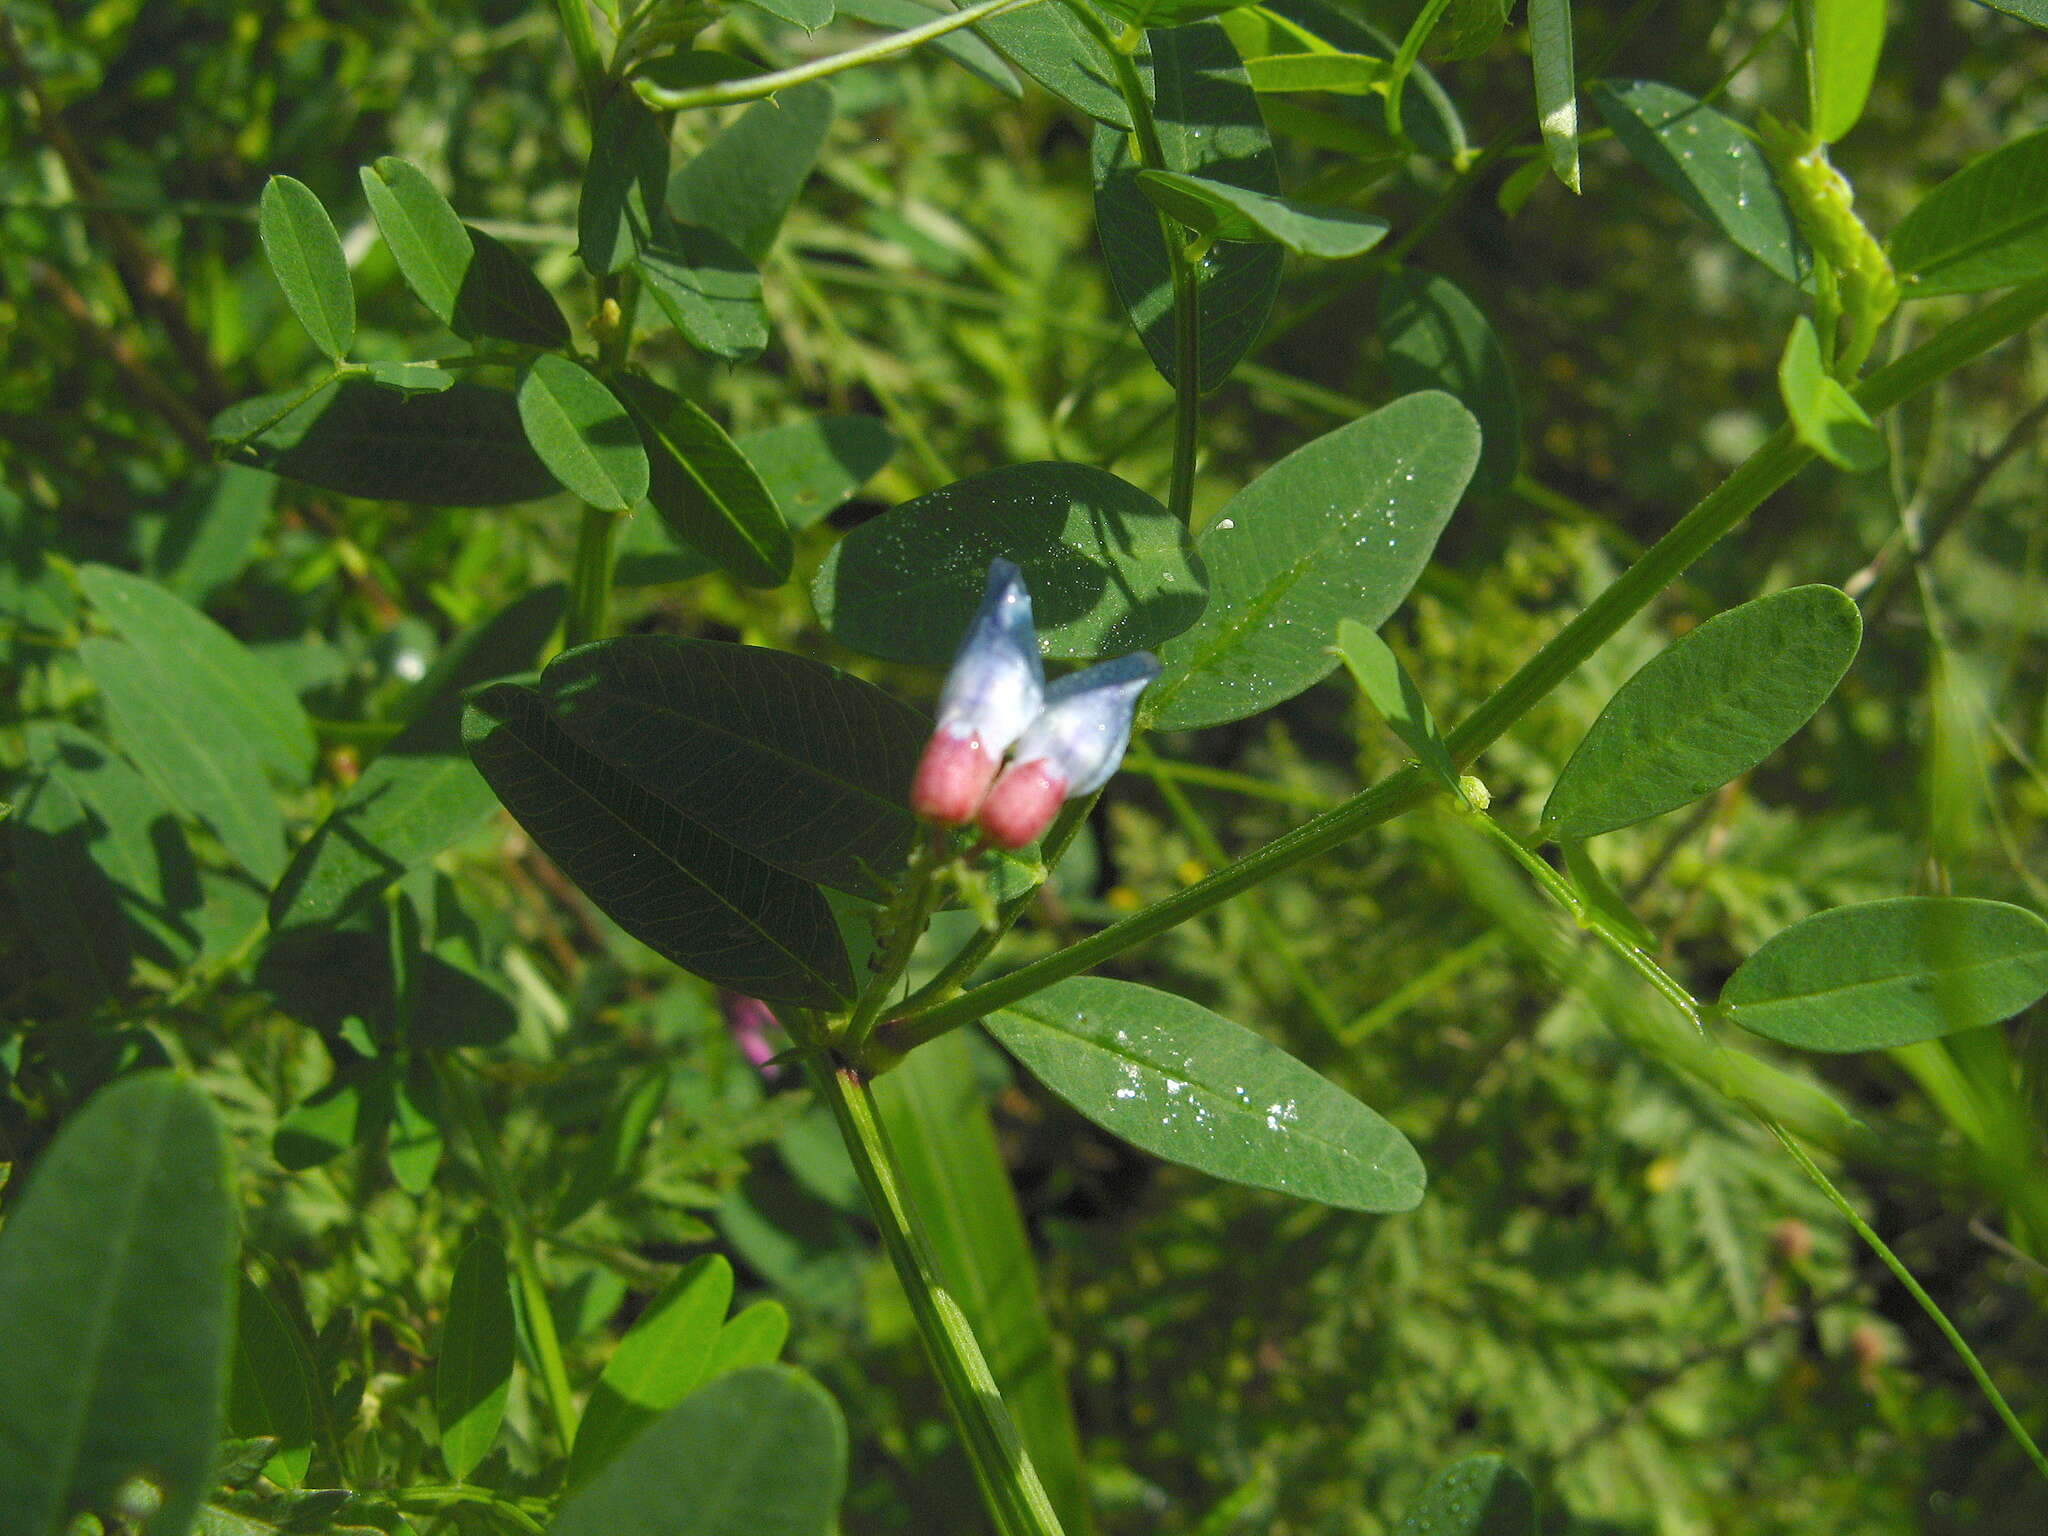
(553, 1129)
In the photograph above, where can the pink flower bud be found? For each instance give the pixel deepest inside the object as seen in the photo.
(749, 1019)
(1023, 804)
(992, 693)
(1071, 749)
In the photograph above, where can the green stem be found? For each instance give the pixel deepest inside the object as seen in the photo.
(590, 72)
(1008, 1482)
(590, 579)
(1187, 285)
(908, 915)
(533, 1295)
(1928, 1305)
(755, 87)
(1774, 463)
(1404, 61)
(440, 1498)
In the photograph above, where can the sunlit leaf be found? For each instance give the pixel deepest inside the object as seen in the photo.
(1710, 708)
(1824, 414)
(473, 1370)
(582, 433)
(305, 255)
(1985, 227)
(1885, 973)
(1340, 528)
(1169, 1076)
(658, 1363)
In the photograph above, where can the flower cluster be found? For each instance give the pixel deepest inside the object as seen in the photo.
(1061, 740)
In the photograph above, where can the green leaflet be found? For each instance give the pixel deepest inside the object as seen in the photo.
(127, 1216)
(675, 885)
(1436, 338)
(306, 257)
(1340, 528)
(1169, 1076)
(658, 1363)
(582, 433)
(1985, 227)
(1885, 973)
(1479, 1496)
(1110, 570)
(473, 1371)
(1710, 708)
(760, 1452)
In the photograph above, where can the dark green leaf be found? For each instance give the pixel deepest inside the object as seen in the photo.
(688, 68)
(247, 701)
(501, 297)
(804, 767)
(1825, 415)
(742, 183)
(1110, 570)
(463, 447)
(1050, 45)
(1985, 227)
(2033, 12)
(808, 14)
(271, 1392)
(1436, 338)
(1885, 973)
(702, 902)
(324, 977)
(473, 1372)
(426, 238)
(130, 835)
(1479, 1496)
(420, 794)
(1225, 212)
(810, 467)
(1386, 683)
(953, 1173)
(582, 433)
(624, 186)
(704, 488)
(305, 255)
(1209, 126)
(607, 1163)
(658, 1363)
(57, 875)
(1169, 1076)
(1168, 13)
(962, 47)
(116, 1311)
(1468, 29)
(1848, 35)
(1557, 102)
(709, 290)
(166, 719)
(1340, 528)
(207, 539)
(1710, 164)
(760, 1452)
(1712, 707)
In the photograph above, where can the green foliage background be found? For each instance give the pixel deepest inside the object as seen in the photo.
(1616, 1280)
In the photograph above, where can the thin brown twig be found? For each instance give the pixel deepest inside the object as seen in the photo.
(126, 357)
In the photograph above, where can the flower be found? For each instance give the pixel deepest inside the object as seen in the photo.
(1070, 749)
(993, 692)
(749, 1019)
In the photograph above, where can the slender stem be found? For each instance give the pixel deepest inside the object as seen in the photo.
(590, 71)
(1187, 278)
(533, 1295)
(1928, 1305)
(908, 916)
(1775, 462)
(754, 87)
(441, 1498)
(1404, 60)
(1008, 1481)
(590, 579)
